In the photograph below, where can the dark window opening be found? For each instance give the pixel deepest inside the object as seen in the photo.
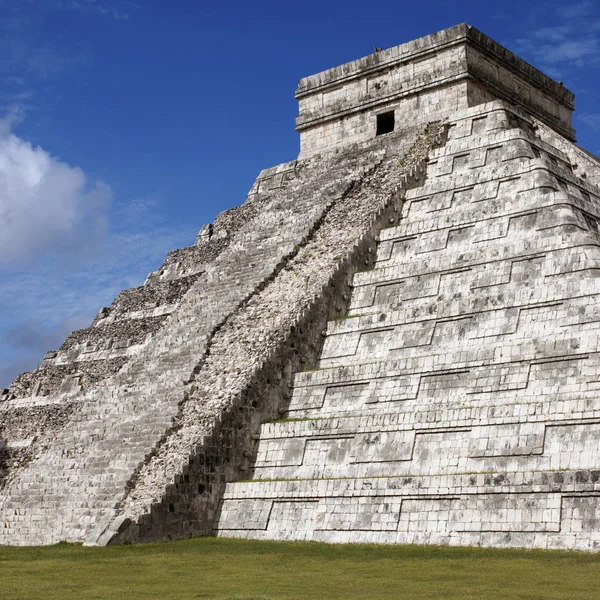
(385, 123)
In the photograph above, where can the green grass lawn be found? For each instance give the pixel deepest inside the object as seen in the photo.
(235, 570)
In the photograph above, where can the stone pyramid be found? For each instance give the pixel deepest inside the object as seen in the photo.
(393, 340)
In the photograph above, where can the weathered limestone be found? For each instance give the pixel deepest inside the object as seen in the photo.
(392, 340)
(457, 402)
(253, 355)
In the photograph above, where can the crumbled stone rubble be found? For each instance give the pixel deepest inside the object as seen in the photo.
(191, 260)
(153, 294)
(134, 331)
(48, 380)
(23, 426)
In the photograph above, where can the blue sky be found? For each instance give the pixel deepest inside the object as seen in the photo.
(126, 125)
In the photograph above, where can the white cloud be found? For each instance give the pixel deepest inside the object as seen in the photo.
(570, 51)
(574, 11)
(46, 205)
(572, 43)
(118, 9)
(591, 119)
(93, 7)
(550, 34)
(65, 249)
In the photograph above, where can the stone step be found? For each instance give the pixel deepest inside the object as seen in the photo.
(510, 303)
(494, 336)
(484, 267)
(544, 509)
(512, 363)
(443, 450)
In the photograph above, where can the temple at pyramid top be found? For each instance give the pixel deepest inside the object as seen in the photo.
(437, 74)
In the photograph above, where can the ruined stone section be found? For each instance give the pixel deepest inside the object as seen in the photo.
(89, 357)
(215, 237)
(23, 424)
(434, 75)
(119, 330)
(457, 402)
(75, 483)
(138, 313)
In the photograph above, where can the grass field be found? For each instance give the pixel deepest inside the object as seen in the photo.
(235, 570)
